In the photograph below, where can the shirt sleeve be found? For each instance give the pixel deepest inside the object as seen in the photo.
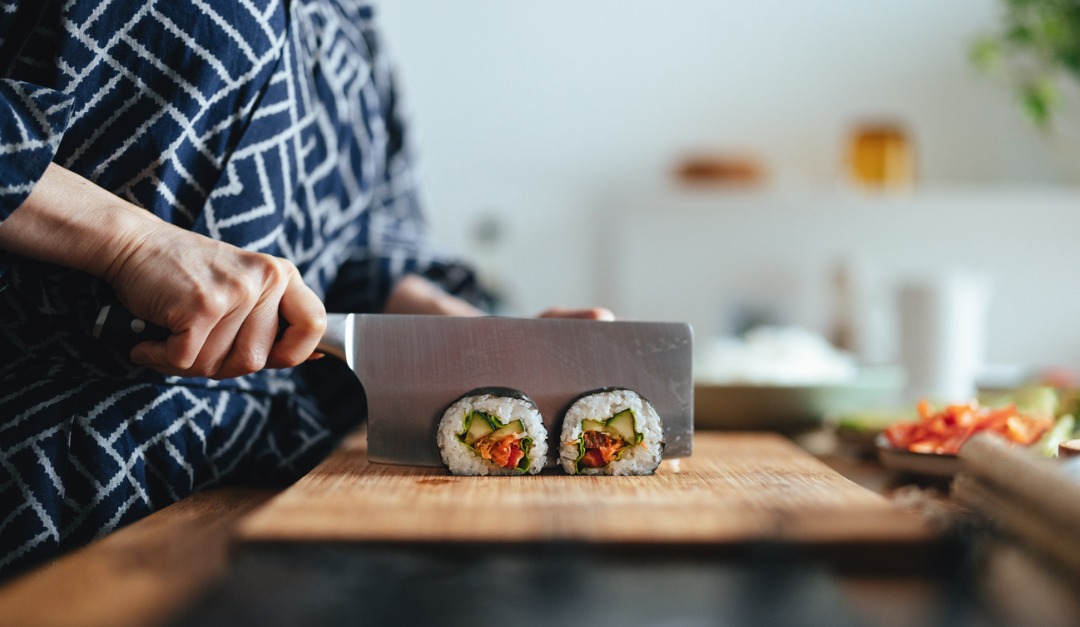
(395, 240)
(32, 122)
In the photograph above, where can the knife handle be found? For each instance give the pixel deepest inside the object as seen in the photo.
(117, 327)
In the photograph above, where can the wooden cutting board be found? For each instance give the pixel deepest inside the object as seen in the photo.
(737, 488)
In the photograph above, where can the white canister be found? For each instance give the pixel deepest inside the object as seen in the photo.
(942, 322)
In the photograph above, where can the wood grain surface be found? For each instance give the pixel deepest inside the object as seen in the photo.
(142, 574)
(737, 488)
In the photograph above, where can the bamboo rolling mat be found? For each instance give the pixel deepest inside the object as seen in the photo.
(737, 488)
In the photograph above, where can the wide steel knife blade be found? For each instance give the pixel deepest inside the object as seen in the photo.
(413, 367)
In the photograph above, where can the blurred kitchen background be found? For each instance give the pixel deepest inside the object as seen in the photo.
(692, 160)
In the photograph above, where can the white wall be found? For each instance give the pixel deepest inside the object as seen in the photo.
(777, 254)
(544, 113)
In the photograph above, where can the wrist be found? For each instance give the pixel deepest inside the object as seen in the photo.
(132, 227)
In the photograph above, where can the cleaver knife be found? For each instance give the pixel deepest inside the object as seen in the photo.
(413, 367)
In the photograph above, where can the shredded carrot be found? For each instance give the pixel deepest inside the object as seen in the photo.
(605, 446)
(505, 451)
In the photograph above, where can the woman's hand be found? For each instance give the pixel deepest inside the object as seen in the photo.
(592, 313)
(221, 303)
(416, 295)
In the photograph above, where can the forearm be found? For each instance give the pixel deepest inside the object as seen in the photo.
(221, 303)
(69, 221)
(416, 295)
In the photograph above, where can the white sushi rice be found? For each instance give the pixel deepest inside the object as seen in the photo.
(462, 460)
(641, 459)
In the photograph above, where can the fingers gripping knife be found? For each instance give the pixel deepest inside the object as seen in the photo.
(413, 367)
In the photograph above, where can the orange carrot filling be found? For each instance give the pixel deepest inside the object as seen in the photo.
(600, 449)
(505, 452)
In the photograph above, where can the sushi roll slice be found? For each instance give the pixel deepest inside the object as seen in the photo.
(611, 432)
(493, 431)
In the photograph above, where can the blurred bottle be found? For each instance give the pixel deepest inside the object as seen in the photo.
(881, 158)
(842, 335)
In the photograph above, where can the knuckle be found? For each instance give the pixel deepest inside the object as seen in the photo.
(180, 356)
(204, 367)
(318, 322)
(245, 291)
(283, 269)
(178, 363)
(263, 273)
(248, 361)
(207, 302)
(201, 370)
(274, 269)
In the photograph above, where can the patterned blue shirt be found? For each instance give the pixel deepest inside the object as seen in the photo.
(270, 125)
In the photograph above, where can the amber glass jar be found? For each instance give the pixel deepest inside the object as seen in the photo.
(880, 157)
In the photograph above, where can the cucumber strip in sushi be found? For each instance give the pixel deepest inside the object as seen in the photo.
(492, 431)
(611, 432)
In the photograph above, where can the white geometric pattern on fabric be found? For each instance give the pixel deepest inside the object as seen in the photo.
(268, 125)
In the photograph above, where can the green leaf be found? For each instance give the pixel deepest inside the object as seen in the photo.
(1019, 34)
(1070, 59)
(1053, 33)
(580, 454)
(986, 53)
(526, 445)
(1036, 102)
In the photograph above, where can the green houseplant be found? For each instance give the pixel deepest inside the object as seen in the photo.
(1037, 52)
